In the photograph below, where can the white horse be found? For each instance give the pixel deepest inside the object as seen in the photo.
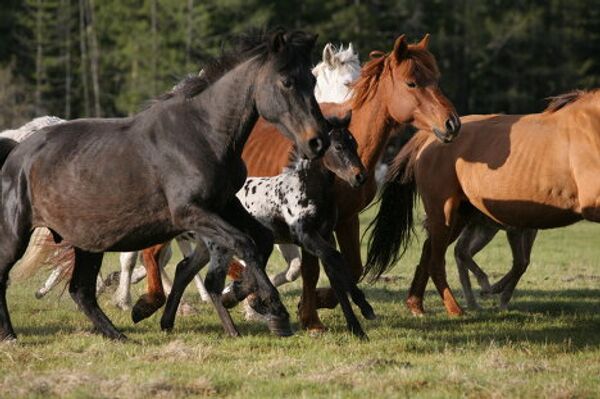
(334, 75)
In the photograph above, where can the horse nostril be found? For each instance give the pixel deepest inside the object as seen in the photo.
(449, 125)
(316, 145)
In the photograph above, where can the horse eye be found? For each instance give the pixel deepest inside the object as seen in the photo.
(412, 85)
(287, 83)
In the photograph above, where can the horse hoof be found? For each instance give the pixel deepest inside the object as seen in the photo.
(369, 313)
(145, 307)
(229, 300)
(316, 332)
(38, 295)
(9, 339)
(415, 306)
(166, 327)
(280, 327)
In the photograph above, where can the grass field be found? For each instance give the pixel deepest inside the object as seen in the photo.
(546, 345)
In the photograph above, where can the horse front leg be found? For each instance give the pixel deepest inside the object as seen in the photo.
(334, 265)
(215, 282)
(236, 229)
(185, 246)
(347, 232)
(441, 237)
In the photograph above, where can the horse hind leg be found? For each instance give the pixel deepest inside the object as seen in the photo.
(215, 282)
(83, 291)
(473, 239)
(521, 243)
(12, 248)
(291, 254)
(50, 283)
(122, 296)
(416, 292)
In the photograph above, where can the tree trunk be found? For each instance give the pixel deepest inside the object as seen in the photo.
(154, 38)
(188, 36)
(67, 21)
(39, 54)
(94, 57)
(84, 59)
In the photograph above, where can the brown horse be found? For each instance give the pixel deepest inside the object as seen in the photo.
(394, 88)
(528, 171)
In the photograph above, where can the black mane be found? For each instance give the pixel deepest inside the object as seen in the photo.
(254, 43)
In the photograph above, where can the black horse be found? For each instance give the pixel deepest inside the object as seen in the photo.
(126, 184)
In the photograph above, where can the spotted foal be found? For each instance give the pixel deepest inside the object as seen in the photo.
(298, 207)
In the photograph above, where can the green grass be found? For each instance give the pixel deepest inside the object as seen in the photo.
(546, 345)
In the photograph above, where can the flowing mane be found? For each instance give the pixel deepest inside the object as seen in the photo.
(562, 100)
(419, 62)
(244, 47)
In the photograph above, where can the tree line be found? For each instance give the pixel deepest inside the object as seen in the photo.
(77, 58)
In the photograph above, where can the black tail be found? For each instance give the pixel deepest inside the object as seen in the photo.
(6, 146)
(393, 226)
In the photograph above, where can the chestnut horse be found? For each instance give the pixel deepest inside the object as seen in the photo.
(534, 171)
(394, 88)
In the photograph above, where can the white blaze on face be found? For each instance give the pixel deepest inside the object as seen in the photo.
(339, 68)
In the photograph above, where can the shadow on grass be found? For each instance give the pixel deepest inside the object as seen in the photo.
(534, 316)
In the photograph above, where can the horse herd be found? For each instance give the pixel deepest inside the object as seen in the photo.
(311, 143)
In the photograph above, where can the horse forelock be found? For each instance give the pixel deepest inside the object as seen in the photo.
(418, 63)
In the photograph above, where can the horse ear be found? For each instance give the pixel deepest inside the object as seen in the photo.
(328, 56)
(277, 42)
(400, 48)
(351, 48)
(424, 43)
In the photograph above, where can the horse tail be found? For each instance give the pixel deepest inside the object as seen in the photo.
(44, 253)
(6, 146)
(392, 228)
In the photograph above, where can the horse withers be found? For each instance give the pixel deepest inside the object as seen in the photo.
(126, 184)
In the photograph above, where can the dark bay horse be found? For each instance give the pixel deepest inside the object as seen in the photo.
(394, 88)
(298, 205)
(535, 171)
(126, 184)
(478, 232)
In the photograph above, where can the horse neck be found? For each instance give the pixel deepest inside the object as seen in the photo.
(229, 107)
(371, 126)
